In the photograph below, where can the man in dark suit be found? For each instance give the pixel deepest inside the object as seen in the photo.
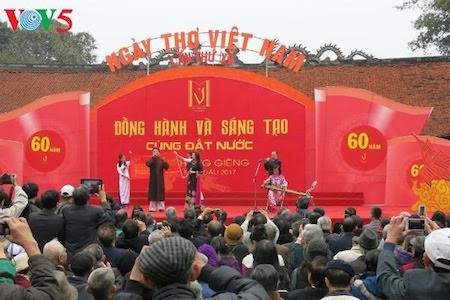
(344, 240)
(45, 224)
(107, 239)
(82, 220)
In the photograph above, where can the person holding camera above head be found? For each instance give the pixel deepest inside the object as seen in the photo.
(20, 198)
(82, 220)
(433, 282)
(156, 187)
(43, 282)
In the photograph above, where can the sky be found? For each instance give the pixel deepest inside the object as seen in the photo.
(374, 26)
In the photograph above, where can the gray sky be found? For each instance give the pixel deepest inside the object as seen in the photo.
(374, 26)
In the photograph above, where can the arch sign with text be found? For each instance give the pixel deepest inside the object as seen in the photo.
(349, 140)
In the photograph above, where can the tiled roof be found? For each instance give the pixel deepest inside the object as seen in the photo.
(420, 82)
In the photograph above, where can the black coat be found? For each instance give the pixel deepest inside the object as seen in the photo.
(340, 242)
(45, 226)
(156, 187)
(81, 223)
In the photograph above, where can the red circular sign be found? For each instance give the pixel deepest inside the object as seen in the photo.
(364, 147)
(45, 150)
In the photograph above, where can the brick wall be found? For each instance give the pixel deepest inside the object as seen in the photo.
(413, 81)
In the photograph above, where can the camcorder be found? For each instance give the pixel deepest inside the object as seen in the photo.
(93, 184)
(4, 229)
(5, 179)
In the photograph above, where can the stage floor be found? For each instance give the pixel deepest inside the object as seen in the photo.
(336, 213)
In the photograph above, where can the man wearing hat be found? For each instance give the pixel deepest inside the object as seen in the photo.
(168, 265)
(66, 197)
(433, 282)
(339, 278)
(367, 241)
(233, 236)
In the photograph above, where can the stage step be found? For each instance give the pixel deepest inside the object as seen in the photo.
(246, 199)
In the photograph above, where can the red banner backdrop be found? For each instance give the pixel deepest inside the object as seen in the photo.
(352, 129)
(11, 160)
(54, 131)
(418, 173)
(233, 118)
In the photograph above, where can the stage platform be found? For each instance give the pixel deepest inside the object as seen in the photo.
(240, 203)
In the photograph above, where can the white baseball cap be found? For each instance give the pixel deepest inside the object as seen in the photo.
(67, 190)
(437, 247)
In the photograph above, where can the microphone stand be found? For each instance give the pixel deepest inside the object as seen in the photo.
(254, 184)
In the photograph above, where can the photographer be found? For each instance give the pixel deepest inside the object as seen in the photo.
(44, 284)
(433, 282)
(20, 198)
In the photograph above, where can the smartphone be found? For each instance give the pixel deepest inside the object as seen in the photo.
(415, 224)
(93, 184)
(422, 210)
(4, 229)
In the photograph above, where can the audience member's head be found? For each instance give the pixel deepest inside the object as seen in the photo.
(437, 250)
(376, 212)
(337, 228)
(310, 232)
(439, 217)
(130, 229)
(67, 192)
(120, 217)
(313, 217)
(49, 199)
(447, 220)
(368, 240)
(101, 284)
(371, 258)
(221, 215)
(267, 276)
(215, 228)
(316, 247)
(233, 234)
(68, 291)
(106, 235)
(55, 252)
(348, 225)
(126, 262)
(137, 209)
(220, 245)
(81, 195)
(167, 261)
(171, 213)
(316, 272)
(186, 228)
(239, 220)
(82, 264)
(258, 218)
(325, 223)
(189, 214)
(303, 202)
(319, 210)
(418, 246)
(339, 275)
(265, 253)
(155, 236)
(349, 211)
(96, 251)
(271, 231)
(258, 233)
(31, 189)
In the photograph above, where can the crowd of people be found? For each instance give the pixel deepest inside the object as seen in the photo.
(55, 245)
